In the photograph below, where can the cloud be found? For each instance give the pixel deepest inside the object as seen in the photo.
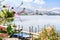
(10, 2)
(36, 1)
(27, 6)
(27, 0)
(39, 2)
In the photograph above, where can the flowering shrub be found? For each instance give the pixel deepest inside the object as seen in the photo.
(48, 33)
(6, 16)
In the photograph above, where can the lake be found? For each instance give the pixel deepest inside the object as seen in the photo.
(35, 23)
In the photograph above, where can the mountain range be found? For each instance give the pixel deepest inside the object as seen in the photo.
(43, 12)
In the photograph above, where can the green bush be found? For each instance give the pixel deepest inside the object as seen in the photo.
(1, 38)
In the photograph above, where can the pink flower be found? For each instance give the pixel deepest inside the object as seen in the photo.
(15, 15)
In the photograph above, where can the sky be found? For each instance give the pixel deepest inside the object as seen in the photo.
(34, 4)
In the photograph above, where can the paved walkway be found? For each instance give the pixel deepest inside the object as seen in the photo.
(11, 39)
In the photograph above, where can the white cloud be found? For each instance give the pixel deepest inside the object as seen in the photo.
(27, 0)
(39, 2)
(36, 1)
(28, 6)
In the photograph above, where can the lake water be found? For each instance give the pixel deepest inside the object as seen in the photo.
(36, 22)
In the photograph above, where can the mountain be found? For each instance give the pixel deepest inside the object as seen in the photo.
(44, 12)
